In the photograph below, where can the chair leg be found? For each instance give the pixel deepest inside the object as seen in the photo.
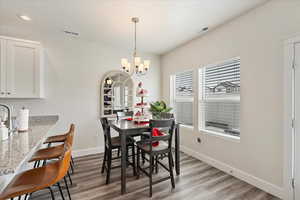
(72, 167)
(60, 190)
(104, 160)
(150, 175)
(72, 160)
(28, 195)
(52, 194)
(66, 184)
(172, 161)
(156, 164)
(108, 166)
(44, 162)
(133, 160)
(138, 163)
(71, 182)
(143, 157)
(35, 164)
(171, 170)
(38, 164)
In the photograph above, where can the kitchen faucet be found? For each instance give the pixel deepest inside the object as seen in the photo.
(8, 121)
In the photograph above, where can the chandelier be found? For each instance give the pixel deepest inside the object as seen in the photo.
(137, 66)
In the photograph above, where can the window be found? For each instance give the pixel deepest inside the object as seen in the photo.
(219, 98)
(183, 97)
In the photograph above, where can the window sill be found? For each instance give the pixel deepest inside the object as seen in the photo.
(186, 126)
(221, 135)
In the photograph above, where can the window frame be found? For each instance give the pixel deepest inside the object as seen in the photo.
(174, 99)
(201, 99)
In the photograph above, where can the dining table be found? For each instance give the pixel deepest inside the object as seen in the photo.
(127, 128)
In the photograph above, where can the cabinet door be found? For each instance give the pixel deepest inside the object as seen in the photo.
(2, 68)
(23, 70)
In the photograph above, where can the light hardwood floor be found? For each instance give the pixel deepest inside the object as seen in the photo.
(198, 181)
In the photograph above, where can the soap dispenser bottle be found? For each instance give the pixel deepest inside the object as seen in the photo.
(3, 131)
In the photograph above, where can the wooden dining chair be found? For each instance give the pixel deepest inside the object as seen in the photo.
(61, 139)
(146, 135)
(40, 178)
(111, 144)
(162, 149)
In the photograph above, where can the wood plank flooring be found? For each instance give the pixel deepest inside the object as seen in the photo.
(198, 181)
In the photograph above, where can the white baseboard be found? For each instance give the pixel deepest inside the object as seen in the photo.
(89, 151)
(255, 181)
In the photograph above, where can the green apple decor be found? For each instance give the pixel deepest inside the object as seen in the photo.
(157, 108)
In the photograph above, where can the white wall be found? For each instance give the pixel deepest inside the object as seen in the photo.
(74, 70)
(257, 37)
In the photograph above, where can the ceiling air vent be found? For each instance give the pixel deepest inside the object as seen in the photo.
(71, 33)
(205, 29)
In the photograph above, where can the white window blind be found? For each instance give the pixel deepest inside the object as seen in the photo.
(219, 97)
(183, 97)
(220, 80)
(184, 84)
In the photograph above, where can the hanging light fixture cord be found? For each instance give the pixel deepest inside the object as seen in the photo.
(135, 39)
(135, 20)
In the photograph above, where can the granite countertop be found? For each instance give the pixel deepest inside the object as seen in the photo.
(19, 145)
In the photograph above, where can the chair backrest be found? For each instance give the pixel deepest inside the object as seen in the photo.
(167, 115)
(116, 111)
(106, 131)
(64, 163)
(124, 114)
(70, 135)
(166, 125)
(60, 167)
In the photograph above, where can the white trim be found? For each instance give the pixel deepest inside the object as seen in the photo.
(187, 126)
(288, 131)
(89, 151)
(19, 40)
(221, 62)
(224, 136)
(255, 181)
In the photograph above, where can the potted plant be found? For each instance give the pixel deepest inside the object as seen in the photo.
(157, 108)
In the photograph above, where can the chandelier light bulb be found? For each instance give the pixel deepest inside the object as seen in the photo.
(128, 66)
(137, 61)
(124, 62)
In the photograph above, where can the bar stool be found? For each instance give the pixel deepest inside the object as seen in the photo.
(61, 139)
(40, 178)
(54, 152)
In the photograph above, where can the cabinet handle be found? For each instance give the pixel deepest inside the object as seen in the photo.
(2, 92)
(8, 93)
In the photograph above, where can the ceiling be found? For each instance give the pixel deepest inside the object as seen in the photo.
(164, 24)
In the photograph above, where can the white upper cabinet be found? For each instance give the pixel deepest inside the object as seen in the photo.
(2, 69)
(22, 69)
